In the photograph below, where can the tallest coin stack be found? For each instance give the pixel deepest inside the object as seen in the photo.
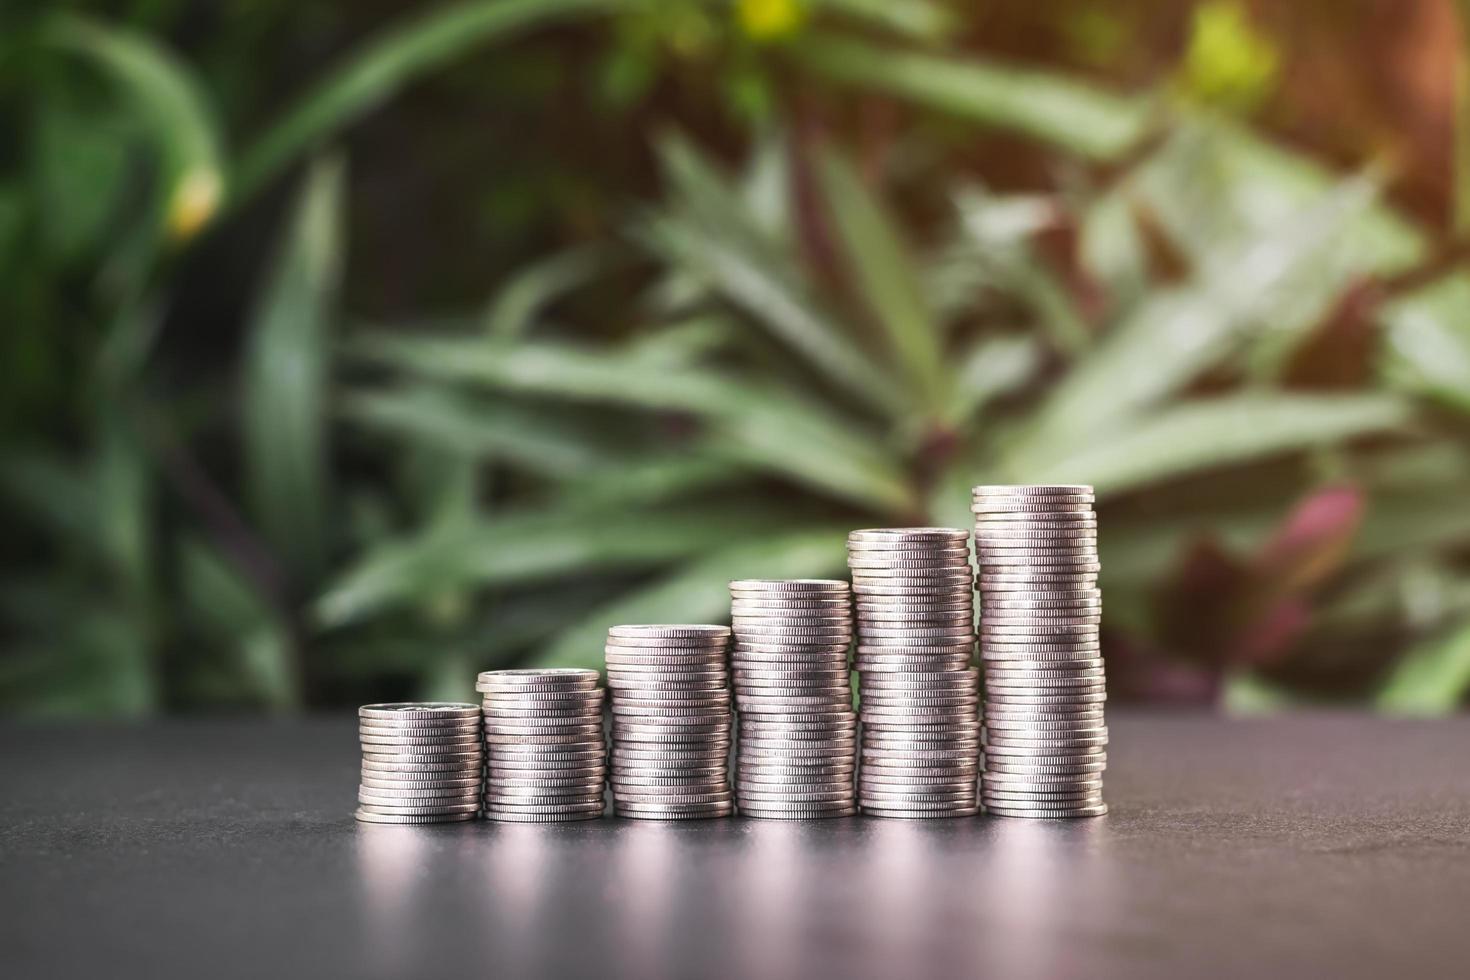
(1045, 735)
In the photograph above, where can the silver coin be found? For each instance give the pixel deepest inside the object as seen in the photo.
(635, 728)
(418, 797)
(789, 585)
(1048, 743)
(415, 811)
(669, 658)
(1050, 656)
(1032, 490)
(550, 765)
(541, 817)
(1030, 692)
(776, 780)
(418, 710)
(501, 807)
(1085, 668)
(619, 675)
(374, 780)
(367, 816)
(552, 697)
(885, 534)
(780, 677)
(408, 735)
(793, 813)
(681, 631)
(1013, 536)
(1045, 598)
(1030, 790)
(412, 762)
(532, 677)
(759, 800)
(898, 813)
(999, 501)
(1086, 807)
(819, 727)
(692, 687)
(1096, 769)
(673, 811)
(1001, 586)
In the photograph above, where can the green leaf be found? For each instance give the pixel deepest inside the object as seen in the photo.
(1216, 187)
(80, 160)
(1206, 434)
(763, 426)
(880, 269)
(515, 306)
(526, 548)
(222, 601)
(1176, 334)
(713, 234)
(1431, 679)
(993, 368)
(699, 592)
(387, 62)
(911, 18)
(1428, 341)
(473, 428)
(173, 103)
(286, 376)
(1072, 115)
(1111, 246)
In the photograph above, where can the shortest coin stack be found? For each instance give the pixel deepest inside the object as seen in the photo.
(545, 760)
(420, 762)
(670, 689)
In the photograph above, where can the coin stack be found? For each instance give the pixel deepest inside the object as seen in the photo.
(545, 760)
(797, 750)
(670, 689)
(420, 762)
(917, 688)
(1045, 735)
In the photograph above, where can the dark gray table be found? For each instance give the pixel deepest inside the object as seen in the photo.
(1306, 846)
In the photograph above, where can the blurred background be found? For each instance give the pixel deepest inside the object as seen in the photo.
(351, 348)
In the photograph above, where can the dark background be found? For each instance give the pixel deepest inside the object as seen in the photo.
(349, 349)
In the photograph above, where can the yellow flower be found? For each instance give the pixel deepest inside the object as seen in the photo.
(195, 200)
(1229, 62)
(771, 20)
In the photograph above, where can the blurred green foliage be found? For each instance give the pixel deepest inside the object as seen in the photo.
(1263, 367)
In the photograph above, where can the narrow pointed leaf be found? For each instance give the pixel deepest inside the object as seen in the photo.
(880, 270)
(1202, 435)
(1072, 115)
(286, 376)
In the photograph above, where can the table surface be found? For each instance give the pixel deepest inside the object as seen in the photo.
(1320, 845)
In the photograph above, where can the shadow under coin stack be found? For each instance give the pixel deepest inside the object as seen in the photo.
(670, 688)
(793, 692)
(545, 759)
(420, 762)
(1045, 735)
(917, 687)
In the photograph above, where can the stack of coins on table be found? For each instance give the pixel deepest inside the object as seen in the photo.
(1045, 735)
(420, 762)
(917, 689)
(797, 749)
(545, 759)
(671, 725)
